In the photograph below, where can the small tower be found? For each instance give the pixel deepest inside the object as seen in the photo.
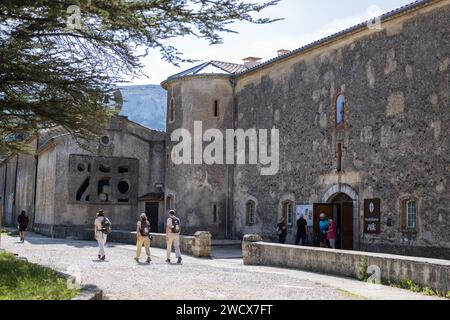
(118, 99)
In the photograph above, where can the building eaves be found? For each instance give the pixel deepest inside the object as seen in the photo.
(359, 27)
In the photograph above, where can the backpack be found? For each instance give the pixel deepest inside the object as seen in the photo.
(106, 226)
(175, 225)
(145, 229)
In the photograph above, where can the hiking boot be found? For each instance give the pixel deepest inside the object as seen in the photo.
(149, 260)
(168, 260)
(179, 260)
(136, 259)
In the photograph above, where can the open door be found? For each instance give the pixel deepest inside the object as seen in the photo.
(152, 212)
(347, 226)
(318, 209)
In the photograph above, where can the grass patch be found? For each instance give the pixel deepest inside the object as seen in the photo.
(21, 280)
(351, 294)
(411, 286)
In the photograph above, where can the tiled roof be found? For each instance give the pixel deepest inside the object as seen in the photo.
(211, 67)
(231, 68)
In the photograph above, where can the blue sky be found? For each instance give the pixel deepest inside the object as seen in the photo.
(304, 22)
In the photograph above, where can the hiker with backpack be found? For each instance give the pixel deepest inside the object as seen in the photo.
(23, 221)
(102, 227)
(173, 230)
(143, 237)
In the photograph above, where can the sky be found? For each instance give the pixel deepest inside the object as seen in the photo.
(304, 21)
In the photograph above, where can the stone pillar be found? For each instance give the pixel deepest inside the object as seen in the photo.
(202, 244)
(249, 251)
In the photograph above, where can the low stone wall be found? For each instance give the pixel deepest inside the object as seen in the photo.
(198, 245)
(425, 272)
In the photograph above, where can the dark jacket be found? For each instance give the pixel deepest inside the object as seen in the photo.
(23, 220)
(301, 226)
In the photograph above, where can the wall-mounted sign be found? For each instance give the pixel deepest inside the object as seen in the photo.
(372, 216)
(305, 210)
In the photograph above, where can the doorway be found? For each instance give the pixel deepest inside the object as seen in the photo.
(340, 209)
(152, 212)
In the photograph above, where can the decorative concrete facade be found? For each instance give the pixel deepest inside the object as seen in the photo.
(64, 185)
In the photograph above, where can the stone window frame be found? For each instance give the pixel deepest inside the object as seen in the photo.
(250, 219)
(109, 140)
(344, 124)
(403, 204)
(171, 111)
(284, 213)
(169, 200)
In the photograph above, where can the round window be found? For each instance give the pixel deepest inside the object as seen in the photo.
(81, 167)
(105, 140)
(123, 186)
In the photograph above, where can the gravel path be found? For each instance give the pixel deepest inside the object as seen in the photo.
(121, 277)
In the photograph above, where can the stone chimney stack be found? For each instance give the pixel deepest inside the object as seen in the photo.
(282, 52)
(251, 62)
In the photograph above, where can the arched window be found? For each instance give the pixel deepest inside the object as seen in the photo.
(216, 108)
(340, 110)
(171, 111)
(250, 213)
(409, 213)
(288, 213)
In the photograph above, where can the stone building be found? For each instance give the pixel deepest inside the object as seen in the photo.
(364, 120)
(64, 185)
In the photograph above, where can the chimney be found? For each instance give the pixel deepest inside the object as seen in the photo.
(282, 52)
(251, 62)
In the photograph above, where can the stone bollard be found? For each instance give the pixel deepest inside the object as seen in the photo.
(249, 251)
(202, 244)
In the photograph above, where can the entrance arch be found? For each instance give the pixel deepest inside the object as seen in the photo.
(345, 205)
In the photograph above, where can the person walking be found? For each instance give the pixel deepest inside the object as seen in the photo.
(301, 231)
(23, 221)
(332, 233)
(143, 237)
(173, 230)
(102, 227)
(323, 228)
(282, 231)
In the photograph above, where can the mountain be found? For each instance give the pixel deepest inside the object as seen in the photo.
(146, 105)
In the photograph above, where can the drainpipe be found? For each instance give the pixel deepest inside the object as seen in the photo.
(36, 161)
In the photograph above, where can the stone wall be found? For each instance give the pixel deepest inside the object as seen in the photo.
(431, 273)
(196, 189)
(396, 137)
(26, 175)
(9, 194)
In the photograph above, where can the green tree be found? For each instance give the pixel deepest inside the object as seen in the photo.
(59, 59)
